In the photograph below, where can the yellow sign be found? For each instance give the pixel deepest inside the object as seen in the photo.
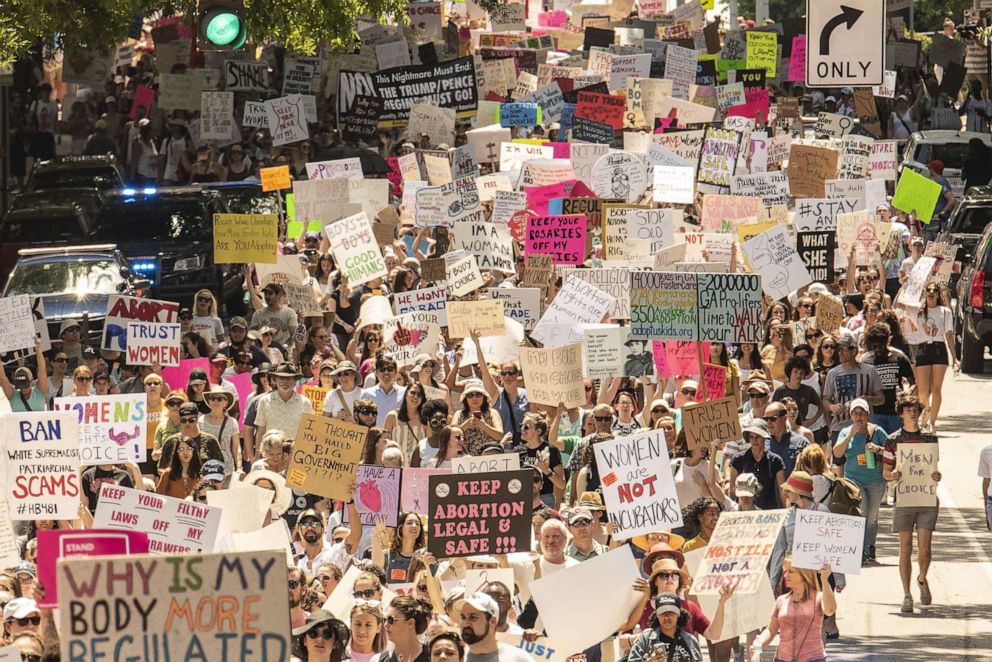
(316, 395)
(242, 238)
(275, 178)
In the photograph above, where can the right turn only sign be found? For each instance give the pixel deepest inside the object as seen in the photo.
(845, 42)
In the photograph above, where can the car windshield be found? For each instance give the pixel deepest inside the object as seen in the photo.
(252, 202)
(973, 219)
(153, 219)
(951, 154)
(102, 177)
(79, 276)
(26, 229)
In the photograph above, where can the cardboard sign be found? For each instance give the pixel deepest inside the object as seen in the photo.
(275, 178)
(821, 538)
(40, 330)
(287, 120)
(809, 168)
(463, 276)
(491, 244)
(916, 487)
(829, 313)
(484, 316)
(111, 427)
(472, 514)
(326, 455)
(151, 343)
(738, 552)
(240, 238)
(55, 544)
(17, 329)
(773, 256)
(563, 237)
(481, 464)
(315, 394)
(162, 607)
(174, 526)
(42, 465)
(378, 495)
(428, 299)
(245, 76)
(121, 309)
(713, 420)
(638, 487)
(554, 375)
(355, 249)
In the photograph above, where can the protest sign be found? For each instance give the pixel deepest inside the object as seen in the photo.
(287, 121)
(638, 487)
(654, 227)
(829, 313)
(484, 316)
(362, 119)
(121, 309)
(601, 108)
(246, 237)
(620, 175)
(715, 378)
(17, 328)
(738, 552)
(40, 330)
(612, 280)
(450, 84)
(315, 394)
(741, 613)
(42, 465)
(151, 343)
(603, 351)
(916, 486)
(355, 249)
(827, 538)
(480, 464)
(10, 554)
(541, 648)
(203, 605)
(179, 92)
(522, 304)
(378, 495)
(429, 299)
(674, 184)
(337, 169)
(326, 453)
(858, 231)
(762, 51)
(416, 487)
(563, 599)
(491, 244)
(297, 77)
(275, 178)
(713, 420)
(945, 252)
(718, 158)
(773, 256)
(242, 76)
(463, 276)
(720, 212)
(820, 214)
(111, 427)
(470, 514)
(809, 168)
(174, 526)
(817, 252)
(255, 115)
(916, 193)
(55, 544)
(553, 374)
(563, 237)
(217, 115)
(538, 271)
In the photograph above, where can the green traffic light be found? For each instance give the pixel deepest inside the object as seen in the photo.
(223, 28)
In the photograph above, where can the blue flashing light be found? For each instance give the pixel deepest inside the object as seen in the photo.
(149, 190)
(143, 266)
(129, 191)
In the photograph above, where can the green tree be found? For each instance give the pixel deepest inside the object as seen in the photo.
(928, 15)
(299, 25)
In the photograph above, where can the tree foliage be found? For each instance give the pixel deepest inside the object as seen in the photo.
(928, 15)
(299, 25)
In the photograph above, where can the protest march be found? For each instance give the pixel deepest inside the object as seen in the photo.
(496, 331)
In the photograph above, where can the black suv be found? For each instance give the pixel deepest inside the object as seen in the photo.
(102, 172)
(965, 225)
(973, 316)
(167, 235)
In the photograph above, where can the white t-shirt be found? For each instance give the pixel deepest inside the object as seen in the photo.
(332, 401)
(930, 328)
(985, 466)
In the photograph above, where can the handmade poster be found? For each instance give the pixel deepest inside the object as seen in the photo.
(674, 184)
(55, 544)
(245, 76)
(160, 607)
(614, 280)
(916, 486)
(217, 115)
(484, 316)
(604, 352)
(554, 374)
(255, 115)
(10, 555)
(356, 249)
(338, 169)
(174, 526)
(40, 330)
(718, 158)
(463, 276)
(822, 538)
(153, 343)
(41, 450)
(638, 487)
(378, 495)
(326, 454)
(741, 613)
(484, 464)
(471, 514)
(619, 175)
(522, 304)
(773, 256)
(809, 168)
(541, 648)
(121, 309)
(491, 244)
(713, 420)
(416, 488)
(762, 51)
(563, 598)
(111, 427)
(945, 252)
(829, 313)
(917, 193)
(243, 509)
(275, 178)
(721, 212)
(563, 237)
(816, 249)
(17, 328)
(738, 552)
(287, 121)
(715, 378)
(429, 299)
(858, 231)
(315, 394)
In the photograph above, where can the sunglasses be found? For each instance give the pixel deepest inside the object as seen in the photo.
(203, 299)
(508, 374)
(60, 359)
(422, 587)
(772, 418)
(216, 398)
(603, 418)
(324, 633)
(33, 620)
(659, 410)
(201, 497)
(188, 420)
(666, 575)
(825, 346)
(367, 593)
(28, 657)
(337, 540)
(365, 410)
(757, 396)
(806, 305)
(324, 578)
(582, 522)
(391, 619)
(84, 379)
(293, 583)
(311, 524)
(688, 391)
(153, 383)
(474, 395)
(526, 426)
(386, 371)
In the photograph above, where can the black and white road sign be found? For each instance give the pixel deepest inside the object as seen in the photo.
(845, 42)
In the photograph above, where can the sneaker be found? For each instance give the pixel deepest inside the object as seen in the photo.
(925, 596)
(907, 604)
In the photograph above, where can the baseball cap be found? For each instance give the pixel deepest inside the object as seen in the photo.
(759, 386)
(212, 469)
(238, 321)
(579, 513)
(309, 513)
(89, 353)
(218, 356)
(747, 485)
(667, 603)
(25, 567)
(188, 408)
(68, 324)
(22, 377)
(847, 341)
(937, 166)
(483, 603)
(20, 608)
(860, 403)
(818, 288)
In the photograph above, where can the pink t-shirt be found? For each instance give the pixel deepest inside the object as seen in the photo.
(799, 628)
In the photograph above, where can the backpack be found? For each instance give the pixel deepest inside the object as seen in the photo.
(843, 497)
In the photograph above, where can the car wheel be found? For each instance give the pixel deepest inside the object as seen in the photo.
(972, 354)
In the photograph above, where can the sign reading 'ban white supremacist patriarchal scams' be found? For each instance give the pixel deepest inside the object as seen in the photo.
(637, 483)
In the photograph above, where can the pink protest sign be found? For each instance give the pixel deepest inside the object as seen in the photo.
(562, 150)
(144, 97)
(539, 196)
(797, 63)
(682, 358)
(660, 360)
(413, 495)
(177, 376)
(552, 19)
(57, 544)
(755, 110)
(562, 237)
(716, 381)
(242, 383)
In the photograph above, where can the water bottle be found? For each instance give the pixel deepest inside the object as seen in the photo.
(869, 459)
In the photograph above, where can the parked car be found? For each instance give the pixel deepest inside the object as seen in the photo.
(949, 147)
(102, 172)
(59, 217)
(167, 235)
(73, 281)
(973, 313)
(965, 225)
(247, 197)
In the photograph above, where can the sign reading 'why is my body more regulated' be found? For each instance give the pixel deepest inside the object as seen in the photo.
(41, 449)
(218, 607)
(637, 483)
(738, 552)
(471, 514)
(111, 427)
(326, 455)
(174, 526)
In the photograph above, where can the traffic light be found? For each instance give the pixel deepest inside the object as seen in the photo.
(220, 25)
